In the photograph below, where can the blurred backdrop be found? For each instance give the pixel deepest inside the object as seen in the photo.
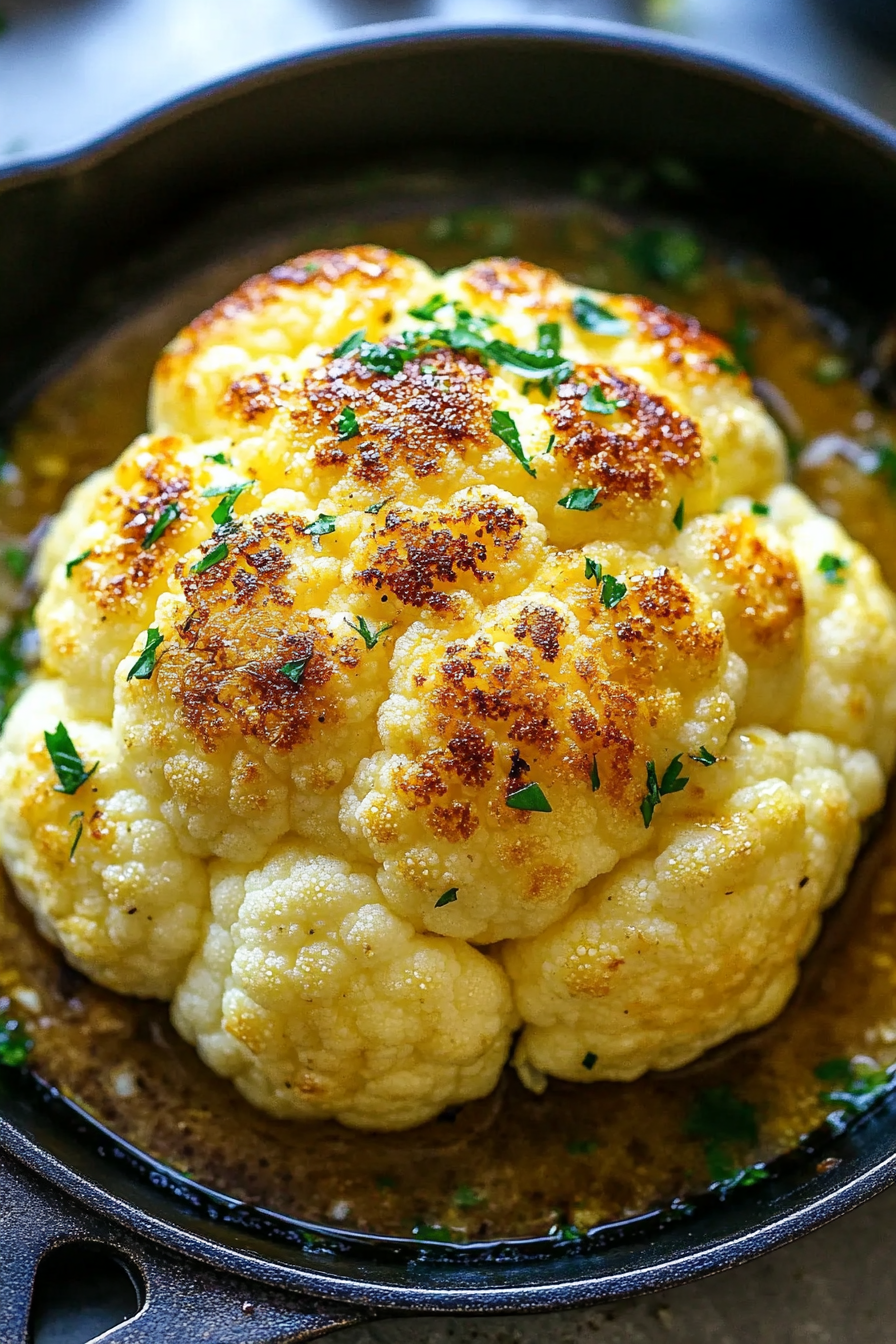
(71, 70)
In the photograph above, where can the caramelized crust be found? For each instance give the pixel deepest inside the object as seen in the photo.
(683, 340)
(500, 278)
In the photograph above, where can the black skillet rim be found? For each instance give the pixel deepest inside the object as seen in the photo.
(549, 1291)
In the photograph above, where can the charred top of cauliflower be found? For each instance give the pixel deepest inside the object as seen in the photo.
(452, 657)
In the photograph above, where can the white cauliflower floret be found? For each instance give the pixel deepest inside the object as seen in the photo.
(700, 938)
(317, 1001)
(421, 620)
(99, 869)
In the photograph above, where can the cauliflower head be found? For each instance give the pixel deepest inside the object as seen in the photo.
(450, 657)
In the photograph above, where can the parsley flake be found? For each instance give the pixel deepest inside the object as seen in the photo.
(15, 1045)
(72, 565)
(427, 311)
(595, 777)
(589, 1061)
(375, 508)
(596, 400)
(678, 517)
(165, 519)
(726, 364)
(17, 561)
(722, 1120)
(367, 632)
(671, 782)
(446, 898)
(504, 426)
(549, 337)
(228, 494)
(593, 317)
(530, 798)
(214, 557)
(593, 569)
(534, 364)
(703, 757)
(760, 510)
(612, 591)
(350, 344)
(582, 499)
(295, 670)
(79, 818)
(386, 359)
(66, 762)
(674, 256)
(321, 526)
(221, 459)
(431, 1232)
(832, 566)
(143, 668)
(465, 1197)
(855, 1084)
(347, 426)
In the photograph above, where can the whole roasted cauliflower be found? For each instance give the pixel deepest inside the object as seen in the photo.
(449, 658)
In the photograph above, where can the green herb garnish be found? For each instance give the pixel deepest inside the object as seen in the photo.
(760, 510)
(678, 517)
(831, 369)
(367, 632)
(597, 401)
(725, 364)
(465, 1197)
(431, 1232)
(612, 590)
(321, 526)
(295, 670)
(348, 345)
(703, 757)
(347, 426)
(674, 256)
(375, 508)
(214, 557)
(549, 338)
(582, 499)
(15, 1045)
(530, 798)
(67, 763)
(220, 458)
(832, 567)
(165, 519)
(589, 1061)
(427, 312)
(79, 818)
(856, 1084)
(228, 494)
(721, 1120)
(537, 364)
(386, 359)
(593, 317)
(446, 898)
(593, 569)
(17, 562)
(595, 777)
(71, 565)
(143, 668)
(671, 782)
(504, 426)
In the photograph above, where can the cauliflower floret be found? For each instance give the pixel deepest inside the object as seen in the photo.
(317, 1001)
(700, 938)
(541, 692)
(100, 869)
(421, 620)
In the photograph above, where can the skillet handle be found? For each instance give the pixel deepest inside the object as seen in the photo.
(182, 1299)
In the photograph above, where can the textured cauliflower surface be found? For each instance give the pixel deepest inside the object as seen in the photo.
(454, 659)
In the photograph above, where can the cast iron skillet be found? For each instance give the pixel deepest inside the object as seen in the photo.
(814, 176)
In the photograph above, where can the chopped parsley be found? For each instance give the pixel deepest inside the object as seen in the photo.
(678, 517)
(596, 400)
(674, 256)
(530, 798)
(593, 569)
(612, 591)
(15, 1045)
(760, 510)
(504, 426)
(465, 1197)
(165, 519)
(367, 632)
(671, 782)
(447, 898)
(221, 459)
(431, 1232)
(703, 757)
(350, 344)
(428, 311)
(831, 369)
(295, 670)
(321, 526)
(386, 359)
(589, 1061)
(582, 499)
(723, 1121)
(593, 317)
(214, 557)
(72, 565)
(832, 567)
(534, 364)
(726, 364)
(549, 337)
(375, 508)
(855, 1085)
(79, 831)
(143, 668)
(17, 561)
(67, 763)
(228, 494)
(347, 426)
(595, 777)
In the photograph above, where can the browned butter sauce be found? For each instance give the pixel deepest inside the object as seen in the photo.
(512, 1164)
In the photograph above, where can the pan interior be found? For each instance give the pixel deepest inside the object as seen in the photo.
(542, 1171)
